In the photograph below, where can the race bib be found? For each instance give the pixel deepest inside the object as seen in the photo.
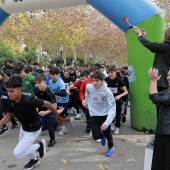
(114, 90)
(96, 98)
(27, 82)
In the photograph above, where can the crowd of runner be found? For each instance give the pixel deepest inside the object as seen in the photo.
(97, 91)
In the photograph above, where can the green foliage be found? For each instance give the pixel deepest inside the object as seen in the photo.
(80, 62)
(19, 58)
(5, 53)
(29, 54)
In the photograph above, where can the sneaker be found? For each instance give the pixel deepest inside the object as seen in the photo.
(72, 122)
(68, 111)
(42, 148)
(90, 134)
(74, 111)
(112, 127)
(110, 152)
(116, 132)
(98, 140)
(103, 141)
(78, 116)
(31, 164)
(14, 126)
(72, 108)
(62, 132)
(3, 131)
(51, 143)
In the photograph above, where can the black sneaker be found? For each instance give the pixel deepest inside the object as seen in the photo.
(31, 164)
(51, 143)
(5, 129)
(42, 148)
(14, 126)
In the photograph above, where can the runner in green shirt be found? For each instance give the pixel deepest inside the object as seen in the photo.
(28, 81)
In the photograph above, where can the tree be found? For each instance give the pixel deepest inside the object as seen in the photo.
(80, 30)
(5, 53)
(30, 54)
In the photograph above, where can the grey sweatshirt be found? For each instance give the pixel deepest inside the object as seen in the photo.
(101, 102)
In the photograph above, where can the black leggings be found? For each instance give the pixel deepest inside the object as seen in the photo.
(118, 113)
(87, 114)
(96, 122)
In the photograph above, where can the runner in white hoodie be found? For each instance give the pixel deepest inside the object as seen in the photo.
(102, 108)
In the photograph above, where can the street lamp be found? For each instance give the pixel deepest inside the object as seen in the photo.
(61, 51)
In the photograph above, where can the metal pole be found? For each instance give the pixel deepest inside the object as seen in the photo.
(61, 56)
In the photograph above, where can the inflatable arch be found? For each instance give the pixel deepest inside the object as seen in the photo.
(141, 13)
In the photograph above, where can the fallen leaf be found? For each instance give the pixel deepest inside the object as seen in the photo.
(141, 133)
(120, 155)
(65, 161)
(141, 140)
(77, 140)
(102, 167)
(122, 140)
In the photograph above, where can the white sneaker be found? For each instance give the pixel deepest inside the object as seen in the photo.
(116, 132)
(90, 134)
(71, 111)
(72, 122)
(68, 111)
(98, 140)
(74, 111)
(62, 131)
(72, 108)
(112, 127)
(78, 116)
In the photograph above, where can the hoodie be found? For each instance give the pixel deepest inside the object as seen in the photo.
(101, 102)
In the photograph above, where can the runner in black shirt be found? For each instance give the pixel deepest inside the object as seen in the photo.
(72, 102)
(24, 109)
(42, 91)
(116, 85)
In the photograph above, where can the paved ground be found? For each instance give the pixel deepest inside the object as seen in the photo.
(77, 151)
